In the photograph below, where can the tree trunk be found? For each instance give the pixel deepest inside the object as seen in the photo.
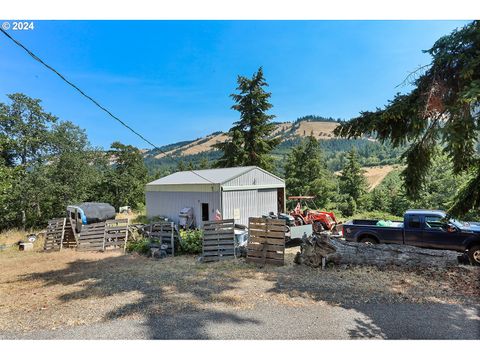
(339, 252)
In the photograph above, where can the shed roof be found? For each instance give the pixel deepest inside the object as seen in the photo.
(207, 176)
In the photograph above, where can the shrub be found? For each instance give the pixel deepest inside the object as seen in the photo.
(140, 246)
(191, 241)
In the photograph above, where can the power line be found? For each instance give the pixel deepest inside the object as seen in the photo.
(35, 57)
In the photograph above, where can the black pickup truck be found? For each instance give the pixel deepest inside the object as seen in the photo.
(423, 228)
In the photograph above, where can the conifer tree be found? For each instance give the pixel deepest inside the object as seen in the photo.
(352, 180)
(307, 174)
(250, 141)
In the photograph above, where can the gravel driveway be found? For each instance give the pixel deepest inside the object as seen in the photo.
(370, 321)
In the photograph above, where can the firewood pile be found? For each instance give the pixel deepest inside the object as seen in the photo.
(327, 249)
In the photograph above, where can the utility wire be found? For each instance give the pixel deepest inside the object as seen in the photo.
(35, 57)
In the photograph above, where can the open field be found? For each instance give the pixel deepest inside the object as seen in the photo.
(376, 174)
(320, 129)
(61, 290)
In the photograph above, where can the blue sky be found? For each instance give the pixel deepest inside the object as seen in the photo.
(171, 80)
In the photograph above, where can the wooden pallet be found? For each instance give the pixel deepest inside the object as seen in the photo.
(165, 234)
(91, 238)
(266, 241)
(218, 240)
(55, 234)
(116, 234)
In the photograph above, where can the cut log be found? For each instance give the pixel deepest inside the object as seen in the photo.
(317, 247)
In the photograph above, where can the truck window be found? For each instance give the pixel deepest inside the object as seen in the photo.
(414, 222)
(434, 222)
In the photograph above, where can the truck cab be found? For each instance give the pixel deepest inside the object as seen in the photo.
(434, 229)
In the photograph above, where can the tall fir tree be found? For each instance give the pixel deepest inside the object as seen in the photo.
(250, 139)
(352, 180)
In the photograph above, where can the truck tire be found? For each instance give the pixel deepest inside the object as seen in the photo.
(474, 255)
(368, 240)
(318, 227)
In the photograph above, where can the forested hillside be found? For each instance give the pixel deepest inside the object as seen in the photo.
(199, 153)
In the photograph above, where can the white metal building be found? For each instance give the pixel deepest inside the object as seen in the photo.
(237, 193)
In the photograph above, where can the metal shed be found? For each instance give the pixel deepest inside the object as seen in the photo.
(237, 193)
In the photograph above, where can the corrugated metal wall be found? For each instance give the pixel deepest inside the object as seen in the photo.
(164, 203)
(249, 203)
(255, 177)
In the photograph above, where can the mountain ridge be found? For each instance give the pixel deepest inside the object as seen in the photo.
(321, 128)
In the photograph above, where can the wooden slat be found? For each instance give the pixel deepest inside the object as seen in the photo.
(262, 240)
(280, 228)
(268, 234)
(218, 222)
(269, 254)
(269, 247)
(265, 221)
(269, 261)
(219, 241)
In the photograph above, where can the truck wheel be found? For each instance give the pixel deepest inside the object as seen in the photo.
(474, 255)
(368, 240)
(318, 227)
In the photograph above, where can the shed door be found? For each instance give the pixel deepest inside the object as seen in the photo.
(205, 212)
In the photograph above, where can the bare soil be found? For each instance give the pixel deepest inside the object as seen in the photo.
(54, 290)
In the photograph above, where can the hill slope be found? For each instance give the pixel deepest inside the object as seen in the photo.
(285, 130)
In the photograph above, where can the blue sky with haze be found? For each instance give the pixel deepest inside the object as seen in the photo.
(171, 80)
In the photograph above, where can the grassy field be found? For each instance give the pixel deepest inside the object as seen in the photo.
(41, 290)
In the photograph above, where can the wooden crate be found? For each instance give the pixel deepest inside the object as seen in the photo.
(166, 234)
(91, 238)
(266, 241)
(218, 240)
(55, 234)
(116, 234)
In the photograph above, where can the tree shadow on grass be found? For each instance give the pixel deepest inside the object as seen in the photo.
(173, 297)
(386, 315)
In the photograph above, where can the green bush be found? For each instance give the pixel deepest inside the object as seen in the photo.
(191, 241)
(140, 246)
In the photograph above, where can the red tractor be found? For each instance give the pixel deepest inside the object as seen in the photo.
(320, 220)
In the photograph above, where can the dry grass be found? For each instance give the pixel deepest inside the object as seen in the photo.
(320, 129)
(9, 237)
(376, 174)
(49, 290)
(205, 146)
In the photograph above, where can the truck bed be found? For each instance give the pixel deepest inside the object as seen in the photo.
(394, 224)
(359, 228)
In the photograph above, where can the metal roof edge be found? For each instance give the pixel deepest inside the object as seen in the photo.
(250, 168)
